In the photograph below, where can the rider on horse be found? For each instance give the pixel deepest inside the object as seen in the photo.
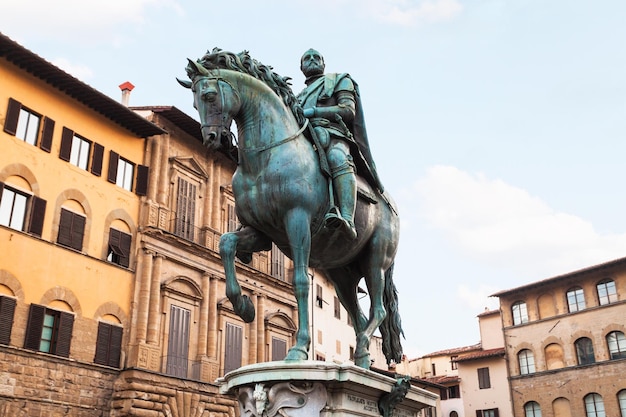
(332, 104)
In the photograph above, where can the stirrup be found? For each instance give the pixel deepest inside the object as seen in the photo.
(333, 220)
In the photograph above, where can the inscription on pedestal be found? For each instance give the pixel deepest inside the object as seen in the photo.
(356, 403)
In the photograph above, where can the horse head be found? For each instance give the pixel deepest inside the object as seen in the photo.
(217, 102)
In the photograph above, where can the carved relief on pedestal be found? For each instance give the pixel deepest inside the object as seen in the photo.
(288, 399)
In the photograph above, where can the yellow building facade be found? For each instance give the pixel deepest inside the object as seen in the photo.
(71, 177)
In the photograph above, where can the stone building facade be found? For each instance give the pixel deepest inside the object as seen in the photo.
(565, 343)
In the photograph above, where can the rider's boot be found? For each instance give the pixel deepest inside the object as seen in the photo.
(345, 190)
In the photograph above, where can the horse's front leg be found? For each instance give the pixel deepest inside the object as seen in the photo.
(298, 228)
(242, 243)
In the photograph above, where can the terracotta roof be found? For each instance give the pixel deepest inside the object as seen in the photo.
(571, 275)
(79, 91)
(481, 354)
(454, 351)
(488, 313)
(443, 379)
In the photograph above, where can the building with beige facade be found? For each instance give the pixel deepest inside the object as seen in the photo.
(565, 343)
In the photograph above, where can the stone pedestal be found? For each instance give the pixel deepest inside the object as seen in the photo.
(312, 389)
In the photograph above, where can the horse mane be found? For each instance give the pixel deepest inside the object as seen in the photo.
(244, 63)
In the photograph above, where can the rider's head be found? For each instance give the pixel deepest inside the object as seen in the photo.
(312, 63)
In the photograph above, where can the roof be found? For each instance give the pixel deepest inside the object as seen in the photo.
(481, 354)
(414, 381)
(443, 379)
(185, 122)
(181, 119)
(453, 351)
(79, 91)
(569, 276)
(488, 313)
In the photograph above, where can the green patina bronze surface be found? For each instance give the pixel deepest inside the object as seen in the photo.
(307, 182)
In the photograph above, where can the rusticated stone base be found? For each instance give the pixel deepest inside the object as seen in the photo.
(148, 394)
(322, 389)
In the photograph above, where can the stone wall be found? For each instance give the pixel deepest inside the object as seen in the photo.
(148, 394)
(39, 385)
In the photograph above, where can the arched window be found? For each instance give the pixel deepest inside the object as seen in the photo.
(617, 345)
(594, 405)
(526, 362)
(607, 293)
(584, 351)
(532, 409)
(454, 414)
(621, 397)
(520, 313)
(575, 299)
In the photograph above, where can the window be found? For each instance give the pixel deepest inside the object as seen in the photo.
(433, 369)
(621, 397)
(125, 174)
(606, 292)
(584, 351)
(233, 348)
(575, 299)
(454, 391)
(13, 208)
(79, 155)
(453, 414)
(453, 363)
(526, 362)
(277, 267)
(49, 330)
(279, 349)
(108, 345)
(7, 310)
(520, 314)
(532, 409)
(122, 171)
(319, 300)
(617, 345)
(594, 405)
(71, 229)
(231, 218)
(351, 353)
(25, 124)
(483, 378)
(492, 412)
(337, 308)
(21, 211)
(178, 342)
(185, 209)
(119, 248)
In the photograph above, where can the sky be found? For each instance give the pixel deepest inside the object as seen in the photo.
(498, 126)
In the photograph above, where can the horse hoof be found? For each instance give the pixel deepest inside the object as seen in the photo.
(297, 354)
(246, 309)
(363, 361)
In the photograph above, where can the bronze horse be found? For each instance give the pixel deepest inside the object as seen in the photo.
(281, 196)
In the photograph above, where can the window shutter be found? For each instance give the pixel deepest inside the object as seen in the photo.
(96, 161)
(496, 413)
(113, 161)
(13, 114)
(479, 413)
(66, 144)
(141, 188)
(65, 228)
(64, 335)
(34, 326)
(103, 343)
(78, 231)
(37, 214)
(46, 136)
(279, 349)
(115, 346)
(125, 242)
(7, 310)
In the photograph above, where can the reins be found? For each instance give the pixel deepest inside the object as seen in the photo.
(275, 144)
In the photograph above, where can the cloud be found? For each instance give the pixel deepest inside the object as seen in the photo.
(411, 12)
(75, 19)
(477, 299)
(504, 225)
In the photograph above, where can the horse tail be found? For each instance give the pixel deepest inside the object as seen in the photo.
(391, 327)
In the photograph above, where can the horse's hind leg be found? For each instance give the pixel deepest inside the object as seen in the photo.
(244, 241)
